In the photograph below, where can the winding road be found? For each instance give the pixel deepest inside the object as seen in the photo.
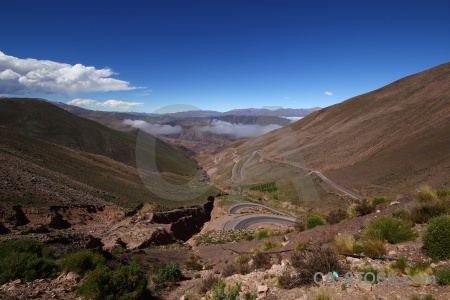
(248, 221)
(333, 184)
(240, 206)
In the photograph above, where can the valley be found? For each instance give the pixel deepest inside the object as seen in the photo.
(240, 199)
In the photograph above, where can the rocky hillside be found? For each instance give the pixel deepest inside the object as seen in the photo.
(387, 141)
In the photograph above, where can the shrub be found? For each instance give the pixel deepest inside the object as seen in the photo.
(119, 250)
(390, 229)
(400, 264)
(382, 199)
(307, 263)
(219, 293)
(207, 283)
(436, 239)
(344, 243)
(242, 263)
(426, 195)
(124, 283)
(314, 220)
(323, 296)
(262, 234)
(422, 212)
(443, 275)
(364, 208)
(351, 210)
(372, 278)
(374, 247)
(268, 244)
(82, 261)
(26, 260)
(358, 247)
(300, 245)
(336, 216)
(442, 194)
(169, 272)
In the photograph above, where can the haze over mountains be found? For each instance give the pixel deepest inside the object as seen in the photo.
(387, 141)
(196, 130)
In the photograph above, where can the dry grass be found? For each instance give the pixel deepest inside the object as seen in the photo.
(344, 243)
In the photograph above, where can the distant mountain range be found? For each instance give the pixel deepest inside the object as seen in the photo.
(281, 112)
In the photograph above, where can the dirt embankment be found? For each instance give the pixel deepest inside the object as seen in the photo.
(108, 226)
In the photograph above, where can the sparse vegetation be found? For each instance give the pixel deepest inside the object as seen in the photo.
(381, 199)
(390, 229)
(344, 243)
(207, 283)
(194, 263)
(426, 195)
(82, 261)
(336, 216)
(374, 247)
(400, 264)
(300, 245)
(26, 260)
(265, 187)
(436, 239)
(364, 208)
(261, 259)
(307, 263)
(268, 244)
(314, 220)
(322, 295)
(443, 275)
(221, 292)
(126, 282)
(262, 234)
(170, 272)
(372, 276)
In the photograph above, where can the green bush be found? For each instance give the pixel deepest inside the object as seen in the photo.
(443, 276)
(124, 283)
(442, 193)
(26, 260)
(426, 195)
(82, 261)
(219, 291)
(382, 199)
(262, 234)
(436, 239)
(422, 212)
(170, 272)
(390, 229)
(314, 220)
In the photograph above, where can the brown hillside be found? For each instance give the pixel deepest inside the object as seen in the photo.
(387, 141)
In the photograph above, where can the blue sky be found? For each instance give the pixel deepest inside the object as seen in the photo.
(216, 55)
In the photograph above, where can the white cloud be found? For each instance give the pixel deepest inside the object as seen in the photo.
(238, 130)
(328, 93)
(108, 103)
(25, 76)
(154, 129)
(286, 98)
(293, 119)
